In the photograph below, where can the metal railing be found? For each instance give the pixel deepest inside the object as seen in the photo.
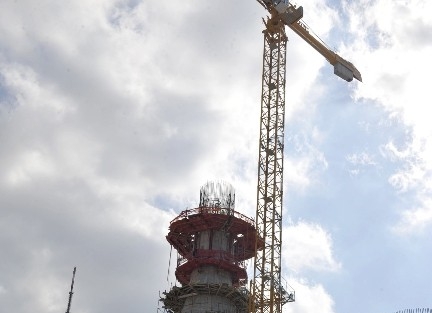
(213, 210)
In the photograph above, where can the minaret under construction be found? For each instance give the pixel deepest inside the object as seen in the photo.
(213, 242)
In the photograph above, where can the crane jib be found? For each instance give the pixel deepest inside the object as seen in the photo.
(291, 16)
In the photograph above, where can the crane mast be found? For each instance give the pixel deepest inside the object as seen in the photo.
(267, 293)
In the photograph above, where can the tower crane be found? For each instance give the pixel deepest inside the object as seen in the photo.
(267, 293)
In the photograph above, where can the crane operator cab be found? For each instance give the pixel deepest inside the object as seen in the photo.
(281, 6)
(288, 13)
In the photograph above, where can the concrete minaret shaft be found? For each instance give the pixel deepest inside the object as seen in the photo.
(213, 242)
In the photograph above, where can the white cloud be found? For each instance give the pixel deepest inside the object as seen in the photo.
(307, 246)
(362, 158)
(304, 62)
(359, 161)
(30, 164)
(49, 292)
(305, 163)
(310, 297)
(393, 51)
(148, 221)
(416, 219)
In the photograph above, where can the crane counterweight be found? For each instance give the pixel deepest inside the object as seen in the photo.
(343, 72)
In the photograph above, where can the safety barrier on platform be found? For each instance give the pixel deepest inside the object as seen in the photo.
(213, 210)
(212, 254)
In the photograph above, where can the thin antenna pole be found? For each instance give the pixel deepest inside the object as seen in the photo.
(71, 291)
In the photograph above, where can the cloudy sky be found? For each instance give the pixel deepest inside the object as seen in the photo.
(113, 113)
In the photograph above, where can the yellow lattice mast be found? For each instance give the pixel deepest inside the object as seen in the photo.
(267, 292)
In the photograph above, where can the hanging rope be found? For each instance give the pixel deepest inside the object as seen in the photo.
(169, 265)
